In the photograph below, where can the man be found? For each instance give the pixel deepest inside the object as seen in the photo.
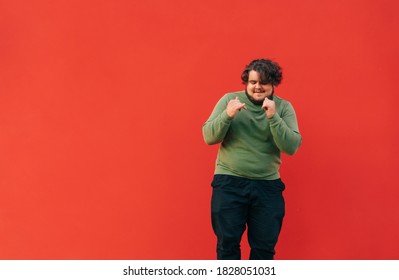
(253, 126)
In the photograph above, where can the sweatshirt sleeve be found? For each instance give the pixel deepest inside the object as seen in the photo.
(285, 130)
(215, 128)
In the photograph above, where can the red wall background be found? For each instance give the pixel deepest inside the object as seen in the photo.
(102, 104)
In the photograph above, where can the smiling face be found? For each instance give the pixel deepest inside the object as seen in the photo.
(257, 90)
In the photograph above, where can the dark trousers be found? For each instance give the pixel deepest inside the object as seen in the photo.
(239, 202)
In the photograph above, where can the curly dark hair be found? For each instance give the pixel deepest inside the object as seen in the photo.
(270, 72)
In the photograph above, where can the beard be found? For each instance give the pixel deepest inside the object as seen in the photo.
(258, 102)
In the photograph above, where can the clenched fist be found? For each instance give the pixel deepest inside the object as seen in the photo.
(270, 107)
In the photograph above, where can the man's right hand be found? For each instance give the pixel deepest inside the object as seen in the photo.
(234, 106)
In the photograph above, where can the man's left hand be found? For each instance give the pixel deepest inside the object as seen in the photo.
(270, 107)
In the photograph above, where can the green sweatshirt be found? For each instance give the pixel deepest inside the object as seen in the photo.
(250, 142)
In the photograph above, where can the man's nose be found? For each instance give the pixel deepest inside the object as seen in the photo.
(257, 85)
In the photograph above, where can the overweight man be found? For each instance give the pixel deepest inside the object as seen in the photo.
(253, 128)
